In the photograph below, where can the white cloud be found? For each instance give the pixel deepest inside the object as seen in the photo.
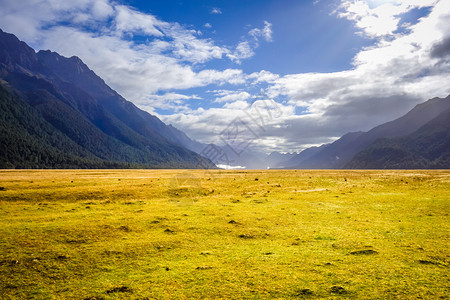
(175, 96)
(207, 25)
(265, 32)
(216, 11)
(232, 97)
(260, 117)
(130, 21)
(26, 18)
(378, 18)
(168, 101)
(102, 9)
(243, 50)
(246, 48)
(263, 76)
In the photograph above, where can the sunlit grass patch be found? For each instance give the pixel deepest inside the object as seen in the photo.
(222, 234)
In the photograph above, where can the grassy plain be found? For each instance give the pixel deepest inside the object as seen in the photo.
(177, 234)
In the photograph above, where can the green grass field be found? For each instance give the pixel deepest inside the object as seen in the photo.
(177, 234)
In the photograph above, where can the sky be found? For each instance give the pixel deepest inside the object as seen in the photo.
(291, 73)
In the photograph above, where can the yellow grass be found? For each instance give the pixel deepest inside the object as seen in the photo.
(179, 234)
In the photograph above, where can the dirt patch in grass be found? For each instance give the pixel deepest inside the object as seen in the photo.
(120, 289)
(364, 252)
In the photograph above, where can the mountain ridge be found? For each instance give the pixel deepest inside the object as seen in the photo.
(426, 148)
(80, 105)
(339, 153)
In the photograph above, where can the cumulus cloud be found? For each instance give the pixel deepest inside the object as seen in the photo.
(130, 21)
(256, 116)
(378, 18)
(26, 18)
(232, 96)
(441, 49)
(263, 76)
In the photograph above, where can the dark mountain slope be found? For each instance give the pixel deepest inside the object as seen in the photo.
(303, 156)
(339, 153)
(28, 141)
(426, 148)
(73, 70)
(330, 155)
(78, 104)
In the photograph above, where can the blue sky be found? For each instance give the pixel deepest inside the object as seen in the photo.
(303, 32)
(310, 70)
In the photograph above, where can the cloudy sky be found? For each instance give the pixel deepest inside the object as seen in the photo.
(295, 73)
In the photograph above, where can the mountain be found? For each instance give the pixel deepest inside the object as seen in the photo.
(274, 159)
(29, 141)
(46, 95)
(301, 157)
(341, 152)
(426, 148)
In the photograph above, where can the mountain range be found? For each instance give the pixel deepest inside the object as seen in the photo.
(426, 148)
(419, 139)
(55, 112)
